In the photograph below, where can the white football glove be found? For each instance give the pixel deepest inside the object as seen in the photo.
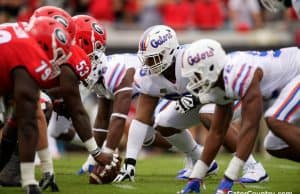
(185, 104)
(126, 172)
(215, 95)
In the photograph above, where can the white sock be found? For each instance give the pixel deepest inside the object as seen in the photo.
(27, 174)
(46, 160)
(136, 136)
(234, 168)
(185, 142)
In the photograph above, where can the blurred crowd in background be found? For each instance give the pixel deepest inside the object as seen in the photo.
(240, 15)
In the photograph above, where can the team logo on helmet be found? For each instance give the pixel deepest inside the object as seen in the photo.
(161, 40)
(61, 20)
(97, 28)
(60, 36)
(200, 56)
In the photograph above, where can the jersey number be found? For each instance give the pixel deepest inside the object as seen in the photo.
(45, 69)
(6, 36)
(82, 68)
(275, 53)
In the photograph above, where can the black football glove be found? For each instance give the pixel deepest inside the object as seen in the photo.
(186, 103)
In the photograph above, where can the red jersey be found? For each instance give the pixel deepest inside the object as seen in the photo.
(20, 50)
(80, 64)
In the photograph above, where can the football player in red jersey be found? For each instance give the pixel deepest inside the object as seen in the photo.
(91, 37)
(76, 69)
(24, 68)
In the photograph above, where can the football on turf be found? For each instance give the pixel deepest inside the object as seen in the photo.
(104, 174)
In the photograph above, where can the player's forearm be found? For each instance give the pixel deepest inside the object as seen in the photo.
(82, 124)
(54, 93)
(115, 133)
(101, 121)
(246, 141)
(211, 147)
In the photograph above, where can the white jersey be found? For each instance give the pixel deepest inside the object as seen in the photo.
(279, 68)
(158, 86)
(115, 69)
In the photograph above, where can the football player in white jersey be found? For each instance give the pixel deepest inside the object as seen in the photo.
(252, 78)
(114, 89)
(277, 5)
(160, 77)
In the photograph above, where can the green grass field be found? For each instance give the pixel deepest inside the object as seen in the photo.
(156, 175)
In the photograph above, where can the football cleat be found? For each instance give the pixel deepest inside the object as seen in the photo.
(185, 173)
(48, 180)
(225, 186)
(254, 173)
(32, 189)
(192, 186)
(126, 172)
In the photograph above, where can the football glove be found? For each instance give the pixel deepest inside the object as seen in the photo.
(186, 103)
(126, 172)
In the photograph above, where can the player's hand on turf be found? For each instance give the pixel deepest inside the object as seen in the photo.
(193, 186)
(127, 172)
(186, 103)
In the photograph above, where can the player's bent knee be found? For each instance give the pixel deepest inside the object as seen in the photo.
(273, 143)
(272, 123)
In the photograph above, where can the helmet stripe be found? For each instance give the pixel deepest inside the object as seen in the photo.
(143, 40)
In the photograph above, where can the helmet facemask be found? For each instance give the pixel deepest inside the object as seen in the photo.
(59, 57)
(158, 62)
(97, 45)
(94, 81)
(157, 47)
(202, 81)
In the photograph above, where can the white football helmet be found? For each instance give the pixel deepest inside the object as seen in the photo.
(157, 48)
(94, 81)
(273, 5)
(202, 63)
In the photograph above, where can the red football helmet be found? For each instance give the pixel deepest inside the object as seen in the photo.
(53, 39)
(90, 34)
(58, 14)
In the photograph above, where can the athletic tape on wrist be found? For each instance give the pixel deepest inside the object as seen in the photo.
(92, 147)
(107, 150)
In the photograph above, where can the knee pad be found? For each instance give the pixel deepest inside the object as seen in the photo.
(272, 142)
(150, 137)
